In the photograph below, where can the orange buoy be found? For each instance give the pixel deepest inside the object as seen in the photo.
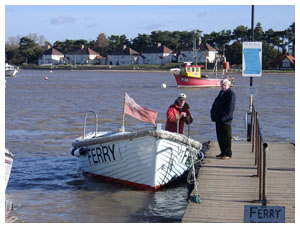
(226, 65)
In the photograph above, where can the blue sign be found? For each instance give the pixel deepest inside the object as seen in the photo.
(252, 59)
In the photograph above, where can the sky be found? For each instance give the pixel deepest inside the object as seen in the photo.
(61, 22)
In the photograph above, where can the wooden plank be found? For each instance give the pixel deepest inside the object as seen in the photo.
(226, 186)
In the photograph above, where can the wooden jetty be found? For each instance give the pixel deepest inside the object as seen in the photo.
(226, 186)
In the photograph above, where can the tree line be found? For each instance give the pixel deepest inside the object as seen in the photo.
(27, 49)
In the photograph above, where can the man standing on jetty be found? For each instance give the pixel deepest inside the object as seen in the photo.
(222, 113)
(179, 111)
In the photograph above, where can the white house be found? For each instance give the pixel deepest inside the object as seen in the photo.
(204, 51)
(82, 56)
(51, 56)
(123, 56)
(157, 55)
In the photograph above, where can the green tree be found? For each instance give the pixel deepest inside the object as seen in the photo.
(290, 35)
(223, 38)
(142, 42)
(233, 53)
(101, 44)
(268, 54)
(160, 37)
(269, 36)
(258, 32)
(241, 33)
(116, 42)
(277, 40)
(13, 55)
(29, 50)
(78, 44)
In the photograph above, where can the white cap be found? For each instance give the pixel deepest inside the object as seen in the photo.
(182, 95)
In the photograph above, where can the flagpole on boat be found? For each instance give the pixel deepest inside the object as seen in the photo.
(122, 129)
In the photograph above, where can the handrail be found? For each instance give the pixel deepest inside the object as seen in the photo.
(96, 122)
(260, 147)
(178, 121)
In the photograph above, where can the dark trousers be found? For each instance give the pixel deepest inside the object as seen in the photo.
(224, 135)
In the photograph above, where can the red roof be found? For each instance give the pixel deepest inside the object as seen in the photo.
(281, 57)
(206, 47)
(52, 51)
(125, 51)
(83, 51)
(158, 49)
(201, 47)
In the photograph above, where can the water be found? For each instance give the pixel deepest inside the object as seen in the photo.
(43, 117)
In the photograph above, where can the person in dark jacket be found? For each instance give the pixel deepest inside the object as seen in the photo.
(222, 113)
(176, 111)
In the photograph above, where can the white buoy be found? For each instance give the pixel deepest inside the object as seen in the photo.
(46, 78)
(164, 85)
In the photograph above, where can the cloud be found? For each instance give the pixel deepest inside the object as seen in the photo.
(62, 20)
(154, 26)
(202, 14)
(91, 25)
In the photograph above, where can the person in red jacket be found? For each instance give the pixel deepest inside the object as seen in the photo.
(178, 110)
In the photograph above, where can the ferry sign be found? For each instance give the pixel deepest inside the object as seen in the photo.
(264, 214)
(252, 59)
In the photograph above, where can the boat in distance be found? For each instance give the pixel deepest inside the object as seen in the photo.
(144, 159)
(189, 75)
(10, 71)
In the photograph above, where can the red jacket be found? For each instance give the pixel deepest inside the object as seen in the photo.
(173, 114)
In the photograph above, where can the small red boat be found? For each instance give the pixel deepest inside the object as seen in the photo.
(190, 76)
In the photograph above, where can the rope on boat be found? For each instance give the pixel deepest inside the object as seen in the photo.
(191, 177)
(80, 142)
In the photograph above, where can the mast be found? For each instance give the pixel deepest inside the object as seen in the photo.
(122, 129)
(195, 51)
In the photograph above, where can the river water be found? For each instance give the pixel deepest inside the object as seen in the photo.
(43, 117)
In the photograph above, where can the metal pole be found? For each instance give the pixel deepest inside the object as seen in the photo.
(122, 129)
(260, 164)
(251, 80)
(265, 165)
(252, 36)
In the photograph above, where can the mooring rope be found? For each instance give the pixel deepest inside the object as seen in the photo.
(191, 177)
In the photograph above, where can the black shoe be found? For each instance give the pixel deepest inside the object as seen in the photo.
(219, 155)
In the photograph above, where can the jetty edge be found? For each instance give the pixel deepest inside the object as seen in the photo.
(226, 186)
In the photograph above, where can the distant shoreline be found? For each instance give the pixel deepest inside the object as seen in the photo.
(138, 68)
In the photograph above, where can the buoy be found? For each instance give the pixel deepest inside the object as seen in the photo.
(46, 78)
(164, 85)
(226, 65)
(50, 71)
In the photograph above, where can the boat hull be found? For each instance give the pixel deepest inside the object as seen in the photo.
(8, 165)
(185, 81)
(145, 162)
(11, 73)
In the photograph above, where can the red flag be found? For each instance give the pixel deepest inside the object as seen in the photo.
(139, 112)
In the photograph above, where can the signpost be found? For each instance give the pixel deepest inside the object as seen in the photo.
(252, 67)
(264, 214)
(252, 91)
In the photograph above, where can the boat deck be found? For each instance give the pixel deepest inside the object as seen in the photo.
(226, 186)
